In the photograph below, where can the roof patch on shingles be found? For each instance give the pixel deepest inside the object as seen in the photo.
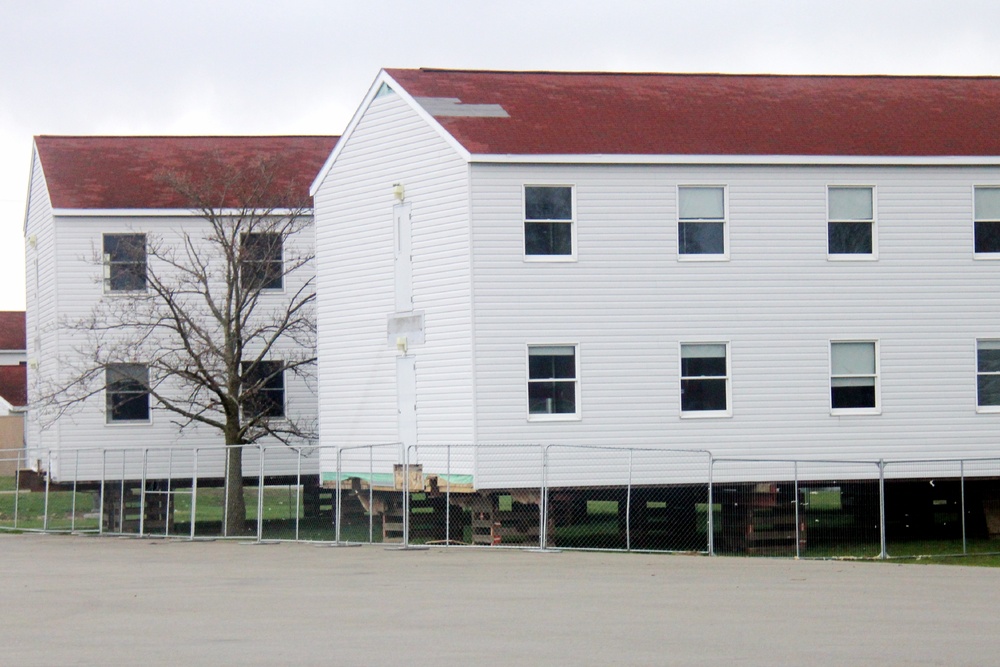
(444, 107)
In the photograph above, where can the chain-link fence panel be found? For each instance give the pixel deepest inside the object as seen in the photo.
(840, 509)
(627, 499)
(12, 494)
(368, 488)
(981, 505)
(948, 508)
(759, 513)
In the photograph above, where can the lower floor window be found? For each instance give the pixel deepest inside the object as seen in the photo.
(988, 373)
(263, 389)
(704, 377)
(552, 380)
(853, 375)
(127, 392)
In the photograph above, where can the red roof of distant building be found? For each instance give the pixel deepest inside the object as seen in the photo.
(14, 384)
(552, 113)
(128, 172)
(12, 336)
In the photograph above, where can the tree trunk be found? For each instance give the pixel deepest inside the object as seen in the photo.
(236, 508)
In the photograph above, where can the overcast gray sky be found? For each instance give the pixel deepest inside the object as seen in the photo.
(302, 66)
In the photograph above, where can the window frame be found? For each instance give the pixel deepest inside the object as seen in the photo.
(986, 409)
(877, 408)
(704, 414)
(246, 262)
(845, 256)
(577, 414)
(109, 264)
(572, 222)
(109, 392)
(992, 255)
(265, 390)
(704, 257)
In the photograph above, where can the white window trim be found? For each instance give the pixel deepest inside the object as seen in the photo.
(572, 222)
(724, 256)
(559, 417)
(705, 414)
(986, 256)
(877, 410)
(983, 409)
(852, 257)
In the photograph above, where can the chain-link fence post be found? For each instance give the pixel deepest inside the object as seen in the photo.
(194, 492)
(628, 503)
(48, 481)
(883, 554)
(262, 451)
(336, 495)
(711, 505)
(961, 472)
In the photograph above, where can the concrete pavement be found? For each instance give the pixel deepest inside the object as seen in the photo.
(75, 600)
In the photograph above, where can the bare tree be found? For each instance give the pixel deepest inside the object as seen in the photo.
(216, 316)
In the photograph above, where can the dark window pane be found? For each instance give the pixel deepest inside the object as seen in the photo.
(701, 238)
(127, 394)
(261, 261)
(548, 238)
(988, 237)
(552, 397)
(264, 389)
(548, 203)
(125, 255)
(700, 395)
(853, 396)
(850, 238)
(989, 390)
(703, 366)
(129, 407)
(541, 367)
(989, 360)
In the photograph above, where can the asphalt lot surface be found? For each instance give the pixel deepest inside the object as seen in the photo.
(75, 600)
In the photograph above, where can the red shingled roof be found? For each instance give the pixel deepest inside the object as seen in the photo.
(12, 336)
(14, 384)
(128, 172)
(717, 114)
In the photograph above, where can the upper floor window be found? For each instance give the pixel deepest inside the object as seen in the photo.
(854, 376)
(988, 374)
(263, 389)
(124, 262)
(552, 380)
(851, 221)
(704, 379)
(987, 223)
(701, 225)
(261, 261)
(127, 392)
(548, 221)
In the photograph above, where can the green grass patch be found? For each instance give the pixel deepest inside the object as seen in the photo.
(8, 483)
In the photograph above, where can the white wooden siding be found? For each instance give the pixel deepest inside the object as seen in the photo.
(353, 206)
(778, 301)
(78, 282)
(41, 312)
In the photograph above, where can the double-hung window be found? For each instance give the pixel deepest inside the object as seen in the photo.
(126, 390)
(851, 222)
(701, 222)
(124, 262)
(261, 262)
(705, 379)
(263, 389)
(548, 222)
(987, 225)
(854, 380)
(988, 375)
(552, 382)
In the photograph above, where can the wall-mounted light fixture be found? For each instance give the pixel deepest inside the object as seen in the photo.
(399, 192)
(401, 344)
